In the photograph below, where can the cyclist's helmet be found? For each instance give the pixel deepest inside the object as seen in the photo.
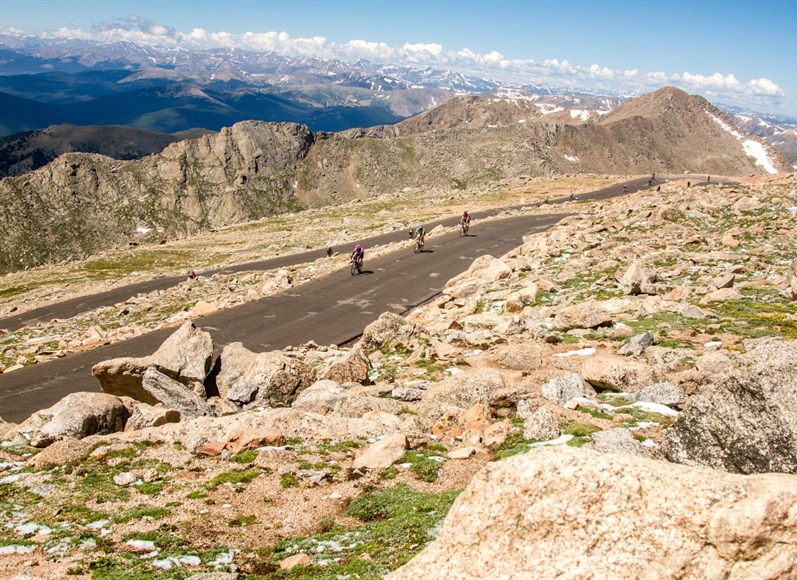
(358, 247)
(410, 232)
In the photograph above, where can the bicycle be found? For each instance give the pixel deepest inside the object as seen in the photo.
(463, 229)
(356, 266)
(418, 246)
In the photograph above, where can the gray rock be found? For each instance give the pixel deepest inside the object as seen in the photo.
(406, 394)
(173, 395)
(145, 416)
(271, 380)
(185, 357)
(541, 425)
(618, 441)
(745, 419)
(388, 328)
(664, 393)
(637, 344)
(76, 416)
(233, 362)
(321, 395)
(582, 315)
(635, 277)
(560, 390)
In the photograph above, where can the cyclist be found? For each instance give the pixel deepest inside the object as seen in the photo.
(625, 188)
(418, 233)
(358, 254)
(465, 219)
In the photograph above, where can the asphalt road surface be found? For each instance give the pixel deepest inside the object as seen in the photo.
(333, 309)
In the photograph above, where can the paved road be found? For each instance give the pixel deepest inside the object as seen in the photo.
(330, 310)
(81, 304)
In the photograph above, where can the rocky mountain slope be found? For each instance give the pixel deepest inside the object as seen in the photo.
(25, 152)
(780, 133)
(81, 204)
(621, 387)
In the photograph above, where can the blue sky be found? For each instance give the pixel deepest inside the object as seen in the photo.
(732, 52)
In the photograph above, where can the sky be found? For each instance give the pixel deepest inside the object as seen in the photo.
(731, 52)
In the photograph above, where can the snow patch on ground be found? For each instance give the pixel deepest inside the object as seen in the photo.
(579, 352)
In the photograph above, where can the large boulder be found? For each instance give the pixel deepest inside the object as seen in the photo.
(383, 453)
(459, 392)
(352, 368)
(76, 416)
(174, 395)
(235, 358)
(562, 389)
(321, 396)
(617, 373)
(745, 419)
(560, 512)
(390, 329)
(271, 380)
(634, 279)
(145, 416)
(519, 356)
(582, 315)
(185, 357)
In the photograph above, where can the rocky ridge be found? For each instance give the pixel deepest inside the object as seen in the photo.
(651, 329)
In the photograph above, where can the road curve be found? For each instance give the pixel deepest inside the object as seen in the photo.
(330, 310)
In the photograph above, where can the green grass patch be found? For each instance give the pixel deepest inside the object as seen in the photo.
(422, 464)
(581, 432)
(515, 444)
(244, 457)
(398, 523)
(233, 477)
(140, 512)
(242, 521)
(288, 480)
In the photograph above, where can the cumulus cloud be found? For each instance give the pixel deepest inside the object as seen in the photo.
(491, 64)
(765, 87)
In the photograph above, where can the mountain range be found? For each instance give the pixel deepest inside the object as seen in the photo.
(49, 82)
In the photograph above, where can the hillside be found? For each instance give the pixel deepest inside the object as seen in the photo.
(25, 152)
(587, 400)
(81, 204)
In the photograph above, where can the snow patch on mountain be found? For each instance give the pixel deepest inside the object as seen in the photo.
(752, 148)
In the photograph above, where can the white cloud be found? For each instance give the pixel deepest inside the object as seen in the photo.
(765, 87)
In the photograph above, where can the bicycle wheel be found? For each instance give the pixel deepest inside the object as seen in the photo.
(417, 247)
(353, 267)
